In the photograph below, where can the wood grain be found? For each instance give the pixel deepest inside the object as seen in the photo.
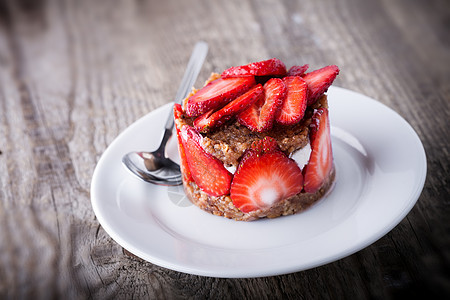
(74, 74)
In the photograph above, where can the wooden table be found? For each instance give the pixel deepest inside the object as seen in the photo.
(74, 74)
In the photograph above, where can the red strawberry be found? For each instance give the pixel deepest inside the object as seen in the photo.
(207, 171)
(275, 93)
(319, 81)
(264, 176)
(217, 93)
(273, 67)
(259, 116)
(213, 119)
(321, 160)
(204, 122)
(297, 70)
(294, 105)
(267, 144)
(187, 177)
(250, 116)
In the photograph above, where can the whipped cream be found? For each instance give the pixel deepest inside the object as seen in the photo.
(231, 169)
(301, 156)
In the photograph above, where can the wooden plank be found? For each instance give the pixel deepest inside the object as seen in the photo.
(74, 74)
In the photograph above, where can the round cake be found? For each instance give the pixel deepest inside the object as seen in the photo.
(255, 141)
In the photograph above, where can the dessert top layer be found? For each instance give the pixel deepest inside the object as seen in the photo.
(230, 141)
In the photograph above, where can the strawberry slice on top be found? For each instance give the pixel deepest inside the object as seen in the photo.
(319, 81)
(216, 94)
(264, 176)
(297, 70)
(320, 163)
(275, 93)
(272, 67)
(260, 116)
(213, 119)
(207, 171)
(250, 116)
(294, 105)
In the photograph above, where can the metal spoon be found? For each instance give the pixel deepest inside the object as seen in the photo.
(155, 167)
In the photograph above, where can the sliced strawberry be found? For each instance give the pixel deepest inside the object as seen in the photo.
(259, 117)
(207, 171)
(319, 81)
(187, 177)
(297, 70)
(250, 116)
(321, 160)
(275, 93)
(204, 122)
(213, 119)
(294, 105)
(273, 67)
(217, 93)
(265, 145)
(264, 176)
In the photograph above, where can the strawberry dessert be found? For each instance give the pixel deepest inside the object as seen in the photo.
(255, 141)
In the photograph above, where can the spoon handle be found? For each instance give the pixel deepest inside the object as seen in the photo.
(190, 76)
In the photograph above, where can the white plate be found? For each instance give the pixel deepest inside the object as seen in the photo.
(381, 169)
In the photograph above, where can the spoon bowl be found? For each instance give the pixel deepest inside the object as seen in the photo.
(166, 174)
